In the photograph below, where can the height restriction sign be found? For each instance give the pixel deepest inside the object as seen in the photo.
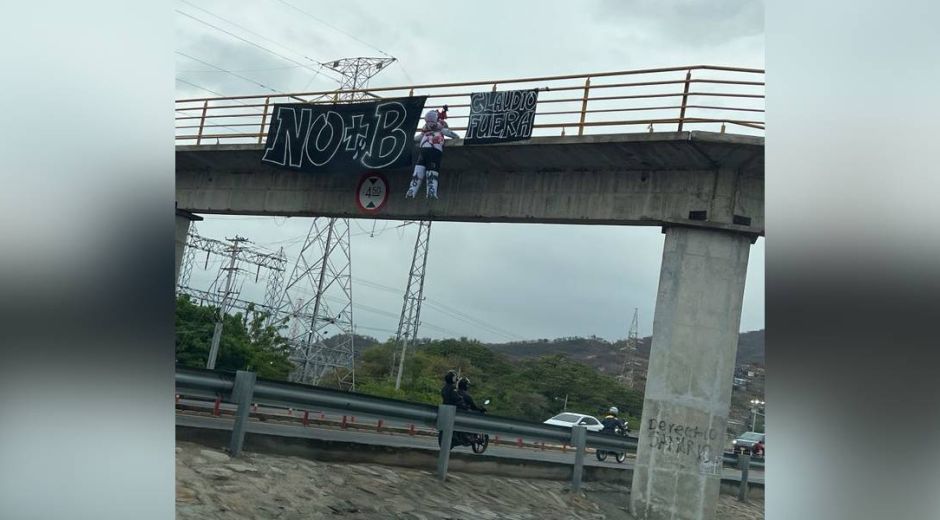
(372, 192)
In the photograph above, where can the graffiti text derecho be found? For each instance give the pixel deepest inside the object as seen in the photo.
(686, 440)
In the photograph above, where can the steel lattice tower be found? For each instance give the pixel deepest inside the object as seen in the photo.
(356, 73)
(317, 299)
(627, 374)
(414, 294)
(325, 266)
(189, 256)
(273, 264)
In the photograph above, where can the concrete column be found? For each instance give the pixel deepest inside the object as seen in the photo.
(688, 388)
(183, 218)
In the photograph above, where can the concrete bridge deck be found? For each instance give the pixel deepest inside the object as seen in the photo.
(701, 179)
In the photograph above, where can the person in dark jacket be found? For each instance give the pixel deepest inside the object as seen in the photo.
(611, 422)
(449, 394)
(463, 387)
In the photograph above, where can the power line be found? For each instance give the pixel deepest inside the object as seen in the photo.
(266, 69)
(191, 84)
(354, 37)
(447, 308)
(262, 85)
(249, 42)
(249, 31)
(450, 314)
(447, 311)
(482, 325)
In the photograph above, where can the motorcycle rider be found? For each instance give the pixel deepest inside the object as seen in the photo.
(463, 387)
(611, 422)
(449, 394)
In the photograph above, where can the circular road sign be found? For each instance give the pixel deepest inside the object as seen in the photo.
(372, 193)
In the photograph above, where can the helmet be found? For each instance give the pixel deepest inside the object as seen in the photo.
(613, 410)
(463, 383)
(450, 376)
(431, 116)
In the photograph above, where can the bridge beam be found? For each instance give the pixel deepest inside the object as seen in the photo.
(688, 178)
(688, 389)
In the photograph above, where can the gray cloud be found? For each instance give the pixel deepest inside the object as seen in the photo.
(687, 22)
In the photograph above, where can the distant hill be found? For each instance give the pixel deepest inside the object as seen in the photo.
(751, 347)
(607, 357)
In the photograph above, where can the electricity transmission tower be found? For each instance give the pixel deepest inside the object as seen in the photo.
(414, 294)
(273, 264)
(223, 292)
(627, 372)
(356, 73)
(325, 266)
(320, 334)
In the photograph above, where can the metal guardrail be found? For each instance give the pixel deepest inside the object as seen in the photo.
(244, 389)
(664, 99)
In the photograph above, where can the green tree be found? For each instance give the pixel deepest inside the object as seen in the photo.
(532, 389)
(246, 344)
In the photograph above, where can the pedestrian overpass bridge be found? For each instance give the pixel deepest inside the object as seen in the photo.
(648, 147)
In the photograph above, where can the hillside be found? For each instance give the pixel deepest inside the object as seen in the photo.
(607, 357)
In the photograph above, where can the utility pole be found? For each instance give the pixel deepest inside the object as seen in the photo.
(224, 305)
(414, 294)
(754, 404)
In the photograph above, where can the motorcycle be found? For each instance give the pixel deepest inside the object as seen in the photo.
(620, 456)
(478, 442)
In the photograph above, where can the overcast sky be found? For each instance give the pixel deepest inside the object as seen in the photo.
(525, 281)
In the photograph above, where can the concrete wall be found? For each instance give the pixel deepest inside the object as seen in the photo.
(623, 179)
(688, 389)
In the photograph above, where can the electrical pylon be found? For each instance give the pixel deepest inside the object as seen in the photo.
(627, 372)
(414, 294)
(321, 334)
(356, 73)
(325, 265)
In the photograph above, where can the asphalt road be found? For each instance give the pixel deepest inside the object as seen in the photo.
(407, 441)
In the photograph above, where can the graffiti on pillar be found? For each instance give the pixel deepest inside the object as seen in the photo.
(697, 444)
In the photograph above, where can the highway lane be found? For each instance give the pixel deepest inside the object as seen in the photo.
(417, 442)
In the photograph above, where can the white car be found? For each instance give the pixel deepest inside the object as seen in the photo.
(570, 419)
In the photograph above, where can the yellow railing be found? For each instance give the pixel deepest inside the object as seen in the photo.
(701, 97)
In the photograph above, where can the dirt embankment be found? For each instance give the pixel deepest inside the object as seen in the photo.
(210, 485)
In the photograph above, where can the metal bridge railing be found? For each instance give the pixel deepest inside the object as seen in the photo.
(243, 389)
(702, 97)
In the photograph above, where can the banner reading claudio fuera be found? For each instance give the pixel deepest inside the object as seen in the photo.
(498, 117)
(372, 135)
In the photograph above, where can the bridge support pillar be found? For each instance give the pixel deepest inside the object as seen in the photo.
(688, 389)
(183, 219)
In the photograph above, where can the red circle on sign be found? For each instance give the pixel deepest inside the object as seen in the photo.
(372, 192)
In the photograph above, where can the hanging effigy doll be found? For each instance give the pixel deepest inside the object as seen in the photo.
(430, 151)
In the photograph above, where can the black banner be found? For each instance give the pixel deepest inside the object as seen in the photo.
(499, 117)
(372, 135)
